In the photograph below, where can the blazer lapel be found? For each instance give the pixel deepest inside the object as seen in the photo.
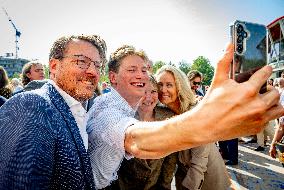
(71, 124)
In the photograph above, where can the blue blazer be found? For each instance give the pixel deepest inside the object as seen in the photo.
(40, 144)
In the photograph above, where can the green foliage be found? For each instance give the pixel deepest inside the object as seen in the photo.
(157, 65)
(184, 66)
(16, 75)
(46, 71)
(203, 65)
(104, 78)
(104, 75)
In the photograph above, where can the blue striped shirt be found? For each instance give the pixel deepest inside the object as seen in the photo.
(107, 122)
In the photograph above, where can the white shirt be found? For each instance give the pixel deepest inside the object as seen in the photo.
(78, 112)
(108, 120)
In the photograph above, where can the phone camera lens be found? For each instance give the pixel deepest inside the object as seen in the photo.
(245, 34)
(240, 39)
(240, 28)
(240, 48)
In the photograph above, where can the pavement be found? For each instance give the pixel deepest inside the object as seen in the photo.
(256, 170)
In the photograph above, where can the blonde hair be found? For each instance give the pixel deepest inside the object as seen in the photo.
(185, 94)
(121, 53)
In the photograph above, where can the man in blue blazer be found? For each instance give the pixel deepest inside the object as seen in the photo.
(43, 136)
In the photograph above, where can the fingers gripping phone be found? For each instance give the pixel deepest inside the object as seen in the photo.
(249, 41)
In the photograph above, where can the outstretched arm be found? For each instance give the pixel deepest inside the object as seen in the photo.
(228, 110)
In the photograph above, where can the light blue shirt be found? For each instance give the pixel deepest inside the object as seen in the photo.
(107, 122)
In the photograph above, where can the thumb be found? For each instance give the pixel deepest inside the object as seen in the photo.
(223, 66)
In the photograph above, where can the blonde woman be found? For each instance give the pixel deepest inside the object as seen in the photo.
(200, 167)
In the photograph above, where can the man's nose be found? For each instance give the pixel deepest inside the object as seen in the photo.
(93, 71)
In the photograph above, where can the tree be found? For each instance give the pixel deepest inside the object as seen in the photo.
(184, 66)
(104, 74)
(16, 75)
(157, 65)
(46, 71)
(203, 65)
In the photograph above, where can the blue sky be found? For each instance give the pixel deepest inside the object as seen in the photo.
(168, 30)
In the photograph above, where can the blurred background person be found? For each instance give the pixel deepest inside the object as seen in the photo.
(276, 83)
(5, 90)
(32, 71)
(195, 79)
(270, 82)
(105, 87)
(148, 174)
(200, 167)
(2, 100)
(150, 66)
(268, 131)
(16, 85)
(279, 132)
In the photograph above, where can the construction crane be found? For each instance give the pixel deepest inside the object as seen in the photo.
(17, 35)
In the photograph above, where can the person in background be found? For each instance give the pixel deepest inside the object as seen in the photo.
(2, 100)
(16, 85)
(150, 66)
(199, 167)
(105, 87)
(149, 174)
(262, 136)
(278, 137)
(282, 75)
(33, 85)
(195, 80)
(43, 134)
(279, 132)
(5, 90)
(270, 82)
(32, 70)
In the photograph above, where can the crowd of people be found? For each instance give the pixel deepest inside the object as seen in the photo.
(140, 132)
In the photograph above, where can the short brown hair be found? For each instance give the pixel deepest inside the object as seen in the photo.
(193, 74)
(26, 69)
(59, 46)
(122, 52)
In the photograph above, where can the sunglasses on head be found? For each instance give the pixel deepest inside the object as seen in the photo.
(196, 83)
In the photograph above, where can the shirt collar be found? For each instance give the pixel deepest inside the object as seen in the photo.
(124, 104)
(68, 99)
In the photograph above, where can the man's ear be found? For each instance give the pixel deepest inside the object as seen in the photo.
(28, 75)
(112, 77)
(53, 66)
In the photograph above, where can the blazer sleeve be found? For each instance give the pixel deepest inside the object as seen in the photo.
(27, 144)
(197, 167)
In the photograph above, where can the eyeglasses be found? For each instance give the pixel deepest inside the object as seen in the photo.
(196, 83)
(84, 62)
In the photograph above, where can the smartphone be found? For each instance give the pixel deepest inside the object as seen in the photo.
(249, 41)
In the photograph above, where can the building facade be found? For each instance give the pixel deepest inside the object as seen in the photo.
(275, 44)
(12, 65)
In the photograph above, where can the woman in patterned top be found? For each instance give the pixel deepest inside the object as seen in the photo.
(5, 91)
